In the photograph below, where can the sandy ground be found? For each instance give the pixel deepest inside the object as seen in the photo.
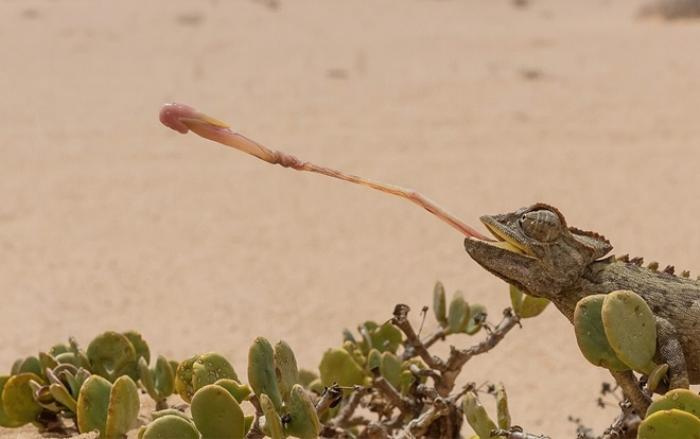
(110, 221)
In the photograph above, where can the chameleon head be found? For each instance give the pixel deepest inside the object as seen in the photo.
(535, 250)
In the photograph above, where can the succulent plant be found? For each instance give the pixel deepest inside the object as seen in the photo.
(112, 355)
(58, 349)
(303, 421)
(5, 419)
(374, 360)
(169, 426)
(69, 376)
(216, 413)
(47, 361)
(631, 329)
(476, 415)
(183, 379)
(457, 314)
(440, 304)
(76, 358)
(96, 388)
(159, 382)
(681, 399)
(272, 425)
(140, 346)
(60, 393)
(18, 404)
(110, 408)
(476, 320)
(461, 317)
(502, 412)
(656, 376)
(667, 424)
(240, 392)
(386, 337)
(338, 366)
(617, 331)
(274, 377)
(306, 377)
(390, 369)
(526, 306)
(169, 412)
(590, 334)
(356, 352)
(27, 365)
(199, 371)
(286, 368)
(262, 372)
(209, 368)
(406, 380)
(63, 398)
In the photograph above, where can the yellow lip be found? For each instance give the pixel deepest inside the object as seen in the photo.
(505, 245)
(506, 242)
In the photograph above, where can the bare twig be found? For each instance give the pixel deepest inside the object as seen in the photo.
(424, 315)
(517, 433)
(458, 358)
(348, 409)
(626, 425)
(632, 390)
(401, 321)
(183, 118)
(255, 431)
(415, 370)
(434, 338)
(375, 430)
(424, 391)
(418, 426)
(392, 394)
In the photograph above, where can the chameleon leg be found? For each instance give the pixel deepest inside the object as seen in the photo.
(669, 351)
(630, 387)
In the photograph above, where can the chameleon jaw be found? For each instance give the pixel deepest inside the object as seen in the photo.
(499, 245)
(504, 260)
(505, 245)
(504, 238)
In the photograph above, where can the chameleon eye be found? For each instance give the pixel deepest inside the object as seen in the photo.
(542, 225)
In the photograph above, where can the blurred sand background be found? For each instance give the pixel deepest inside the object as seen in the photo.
(108, 220)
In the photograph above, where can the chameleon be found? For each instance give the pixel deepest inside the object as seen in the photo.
(535, 251)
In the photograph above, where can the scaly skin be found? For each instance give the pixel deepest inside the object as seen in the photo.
(538, 253)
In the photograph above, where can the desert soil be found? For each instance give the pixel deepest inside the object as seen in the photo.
(109, 220)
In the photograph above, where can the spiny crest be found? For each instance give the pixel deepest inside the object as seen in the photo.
(638, 261)
(595, 242)
(652, 266)
(588, 233)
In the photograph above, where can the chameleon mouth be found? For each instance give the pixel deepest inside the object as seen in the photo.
(504, 240)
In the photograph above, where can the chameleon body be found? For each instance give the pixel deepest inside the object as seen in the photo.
(537, 252)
